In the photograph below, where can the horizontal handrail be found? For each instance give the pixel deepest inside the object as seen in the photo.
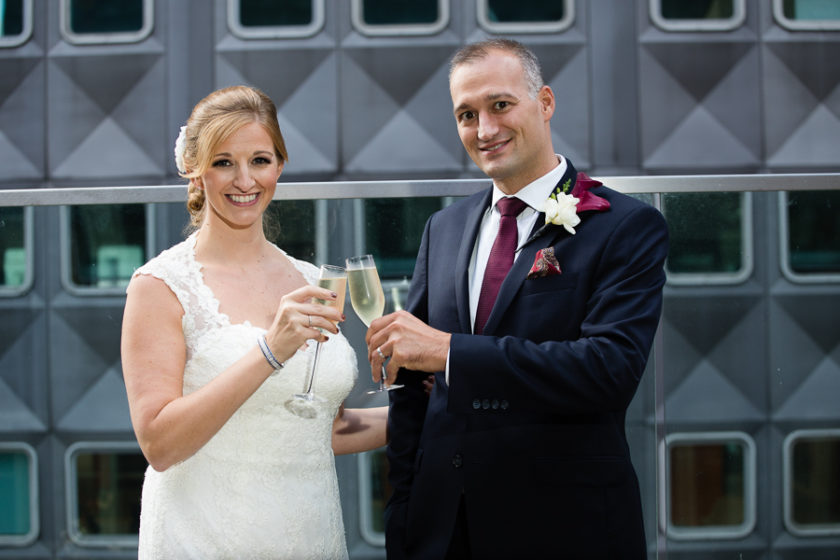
(421, 188)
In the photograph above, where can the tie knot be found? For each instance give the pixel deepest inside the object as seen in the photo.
(510, 206)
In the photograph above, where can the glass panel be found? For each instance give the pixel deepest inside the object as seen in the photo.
(11, 18)
(270, 13)
(107, 243)
(816, 481)
(106, 16)
(12, 251)
(14, 493)
(697, 9)
(707, 485)
(108, 487)
(814, 231)
(391, 12)
(510, 11)
(393, 230)
(380, 490)
(706, 232)
(290, 225)
(811, 9)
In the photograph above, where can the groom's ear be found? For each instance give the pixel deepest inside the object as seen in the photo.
(545, 97)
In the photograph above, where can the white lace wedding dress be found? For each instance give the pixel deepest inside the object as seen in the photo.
(265, 485)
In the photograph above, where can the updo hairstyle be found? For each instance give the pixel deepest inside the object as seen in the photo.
(212, 121)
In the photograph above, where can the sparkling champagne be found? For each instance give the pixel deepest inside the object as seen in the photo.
(337, 285)
(366, 294)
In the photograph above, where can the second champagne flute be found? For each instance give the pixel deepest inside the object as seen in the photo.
(333, 278)
(367, 299)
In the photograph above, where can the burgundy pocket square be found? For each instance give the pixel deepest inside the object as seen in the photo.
(545, 264)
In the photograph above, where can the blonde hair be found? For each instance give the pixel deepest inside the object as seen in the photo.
(212, 121)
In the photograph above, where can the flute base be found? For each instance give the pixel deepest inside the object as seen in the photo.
(304, 405)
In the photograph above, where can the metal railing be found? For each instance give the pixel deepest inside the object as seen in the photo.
(640, 184)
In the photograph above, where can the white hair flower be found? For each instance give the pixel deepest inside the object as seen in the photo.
(180, 149)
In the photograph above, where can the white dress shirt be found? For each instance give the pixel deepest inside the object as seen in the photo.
(534, 195)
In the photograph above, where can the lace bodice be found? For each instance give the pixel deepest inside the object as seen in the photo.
(265, 485)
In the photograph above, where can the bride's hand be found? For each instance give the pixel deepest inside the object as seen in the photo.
(299, 319)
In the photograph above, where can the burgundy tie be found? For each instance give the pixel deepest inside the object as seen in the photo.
(501, 259)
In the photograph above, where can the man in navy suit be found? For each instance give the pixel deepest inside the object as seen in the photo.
(520, 449)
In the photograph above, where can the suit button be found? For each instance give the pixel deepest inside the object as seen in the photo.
(495, 404)
(457, 461)
(504, 404)
(485, 404)
(476, 404)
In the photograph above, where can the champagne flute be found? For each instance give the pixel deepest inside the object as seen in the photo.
(368, 299)
(333, 278)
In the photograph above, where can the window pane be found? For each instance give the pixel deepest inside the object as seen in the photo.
(108, 242)
(814, 231)
(290, 224)
(393, 231)
(816, 481)
(106, 16)
(706, 232)
(811, 9)
(270, 13)
(391, 12)
(510, 11)
(380, 490)
(707, 485)
(697, 9)
(14, 493)
(11, 17)
(12, 251)
(108, 487)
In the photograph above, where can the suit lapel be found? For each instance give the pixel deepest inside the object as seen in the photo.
(543, 235)
(462, 264)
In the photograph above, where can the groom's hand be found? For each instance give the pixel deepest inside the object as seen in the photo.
(409, 342)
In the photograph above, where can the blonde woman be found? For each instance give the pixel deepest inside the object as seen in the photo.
(232, 473)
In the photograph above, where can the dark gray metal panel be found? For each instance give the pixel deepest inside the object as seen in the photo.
(700, 101)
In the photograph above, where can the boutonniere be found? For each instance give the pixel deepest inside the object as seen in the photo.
(545, 264)
(565, 204)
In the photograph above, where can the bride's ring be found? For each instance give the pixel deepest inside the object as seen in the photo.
(381, 355)
(310, 321)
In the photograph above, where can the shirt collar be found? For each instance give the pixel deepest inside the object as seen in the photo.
(535, 193)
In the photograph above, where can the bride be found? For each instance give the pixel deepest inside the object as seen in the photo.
(232, 473)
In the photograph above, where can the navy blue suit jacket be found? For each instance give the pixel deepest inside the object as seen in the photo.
(530, 428)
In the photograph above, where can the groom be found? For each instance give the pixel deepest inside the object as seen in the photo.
(536, 319)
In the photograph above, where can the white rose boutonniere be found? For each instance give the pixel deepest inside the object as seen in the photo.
(561, 210)
(180, 149)
(565, 204)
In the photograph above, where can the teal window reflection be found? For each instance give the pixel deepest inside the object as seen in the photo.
(698, 15)
(106, 488)
(106, 16)
(400, 12)
(15, 499)
(12, 250)
(11, 18)
(270, 13)
(393, 230)
(517, 11)
(697, 9)
(107, 244)
(811, 10)
(706, 233)
(813, 232)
